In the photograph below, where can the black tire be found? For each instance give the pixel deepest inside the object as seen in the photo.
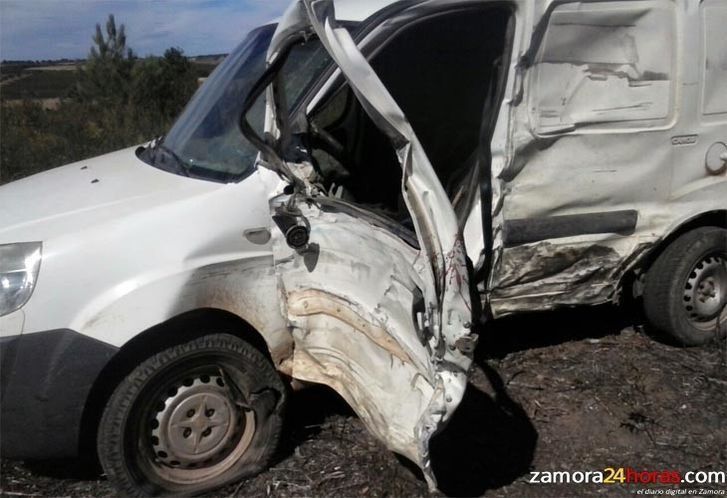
(192, 418)
(686, 288)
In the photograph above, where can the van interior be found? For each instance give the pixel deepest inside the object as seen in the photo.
(444, 70)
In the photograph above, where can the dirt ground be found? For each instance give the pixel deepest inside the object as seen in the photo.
(574, 390)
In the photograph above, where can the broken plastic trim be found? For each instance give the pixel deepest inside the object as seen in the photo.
(294, 226)
(525, 231)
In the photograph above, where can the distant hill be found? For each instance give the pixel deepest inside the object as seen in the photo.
(208, 59)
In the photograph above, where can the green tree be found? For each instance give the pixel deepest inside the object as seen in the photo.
(163, 86)
(119, 101)
(106, 76)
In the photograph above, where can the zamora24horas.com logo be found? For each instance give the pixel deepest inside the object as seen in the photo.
(628, 475)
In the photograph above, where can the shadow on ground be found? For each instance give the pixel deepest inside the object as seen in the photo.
(82, 469)
(307, 413)
(548, 328)
(489, 442)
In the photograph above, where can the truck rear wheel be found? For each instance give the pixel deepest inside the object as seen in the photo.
(192, 418)
(685, 291)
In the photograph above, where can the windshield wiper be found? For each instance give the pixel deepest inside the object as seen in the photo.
(180, 166)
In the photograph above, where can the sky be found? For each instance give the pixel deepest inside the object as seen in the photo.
(55, 29)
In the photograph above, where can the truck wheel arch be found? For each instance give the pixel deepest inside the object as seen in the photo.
(716, 218)
(176, 330)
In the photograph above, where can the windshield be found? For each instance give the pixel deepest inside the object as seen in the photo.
(206, 141)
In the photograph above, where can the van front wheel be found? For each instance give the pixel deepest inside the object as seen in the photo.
(685, 292)
(192, 418)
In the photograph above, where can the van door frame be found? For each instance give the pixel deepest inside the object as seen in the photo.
(372, 37)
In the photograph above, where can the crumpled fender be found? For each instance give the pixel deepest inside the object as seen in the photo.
(385, 325)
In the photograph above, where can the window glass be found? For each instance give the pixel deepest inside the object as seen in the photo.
(714, 15)
(305, 62)
(604, 62)
(206, 140)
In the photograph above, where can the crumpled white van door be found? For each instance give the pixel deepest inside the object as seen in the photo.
(382, 320)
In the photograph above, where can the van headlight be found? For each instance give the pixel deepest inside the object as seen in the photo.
(19, 266)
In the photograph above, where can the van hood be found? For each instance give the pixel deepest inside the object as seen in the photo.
(88, 192)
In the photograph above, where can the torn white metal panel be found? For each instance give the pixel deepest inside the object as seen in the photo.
(353, 297)
(547, 274)
(385, 325)
(432, 214)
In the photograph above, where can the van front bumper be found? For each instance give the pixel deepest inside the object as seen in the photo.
(45, 380)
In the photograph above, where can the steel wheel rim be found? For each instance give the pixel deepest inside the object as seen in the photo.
(223, 436)
(705, 290)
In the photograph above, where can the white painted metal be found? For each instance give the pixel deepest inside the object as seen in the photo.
(127, 246)
(414, 376)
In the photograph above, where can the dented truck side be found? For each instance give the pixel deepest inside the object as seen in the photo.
(599, 115)
(584, 178)
(565, 152)
(611, 147)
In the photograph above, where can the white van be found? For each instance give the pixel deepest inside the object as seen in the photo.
(343, 198)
